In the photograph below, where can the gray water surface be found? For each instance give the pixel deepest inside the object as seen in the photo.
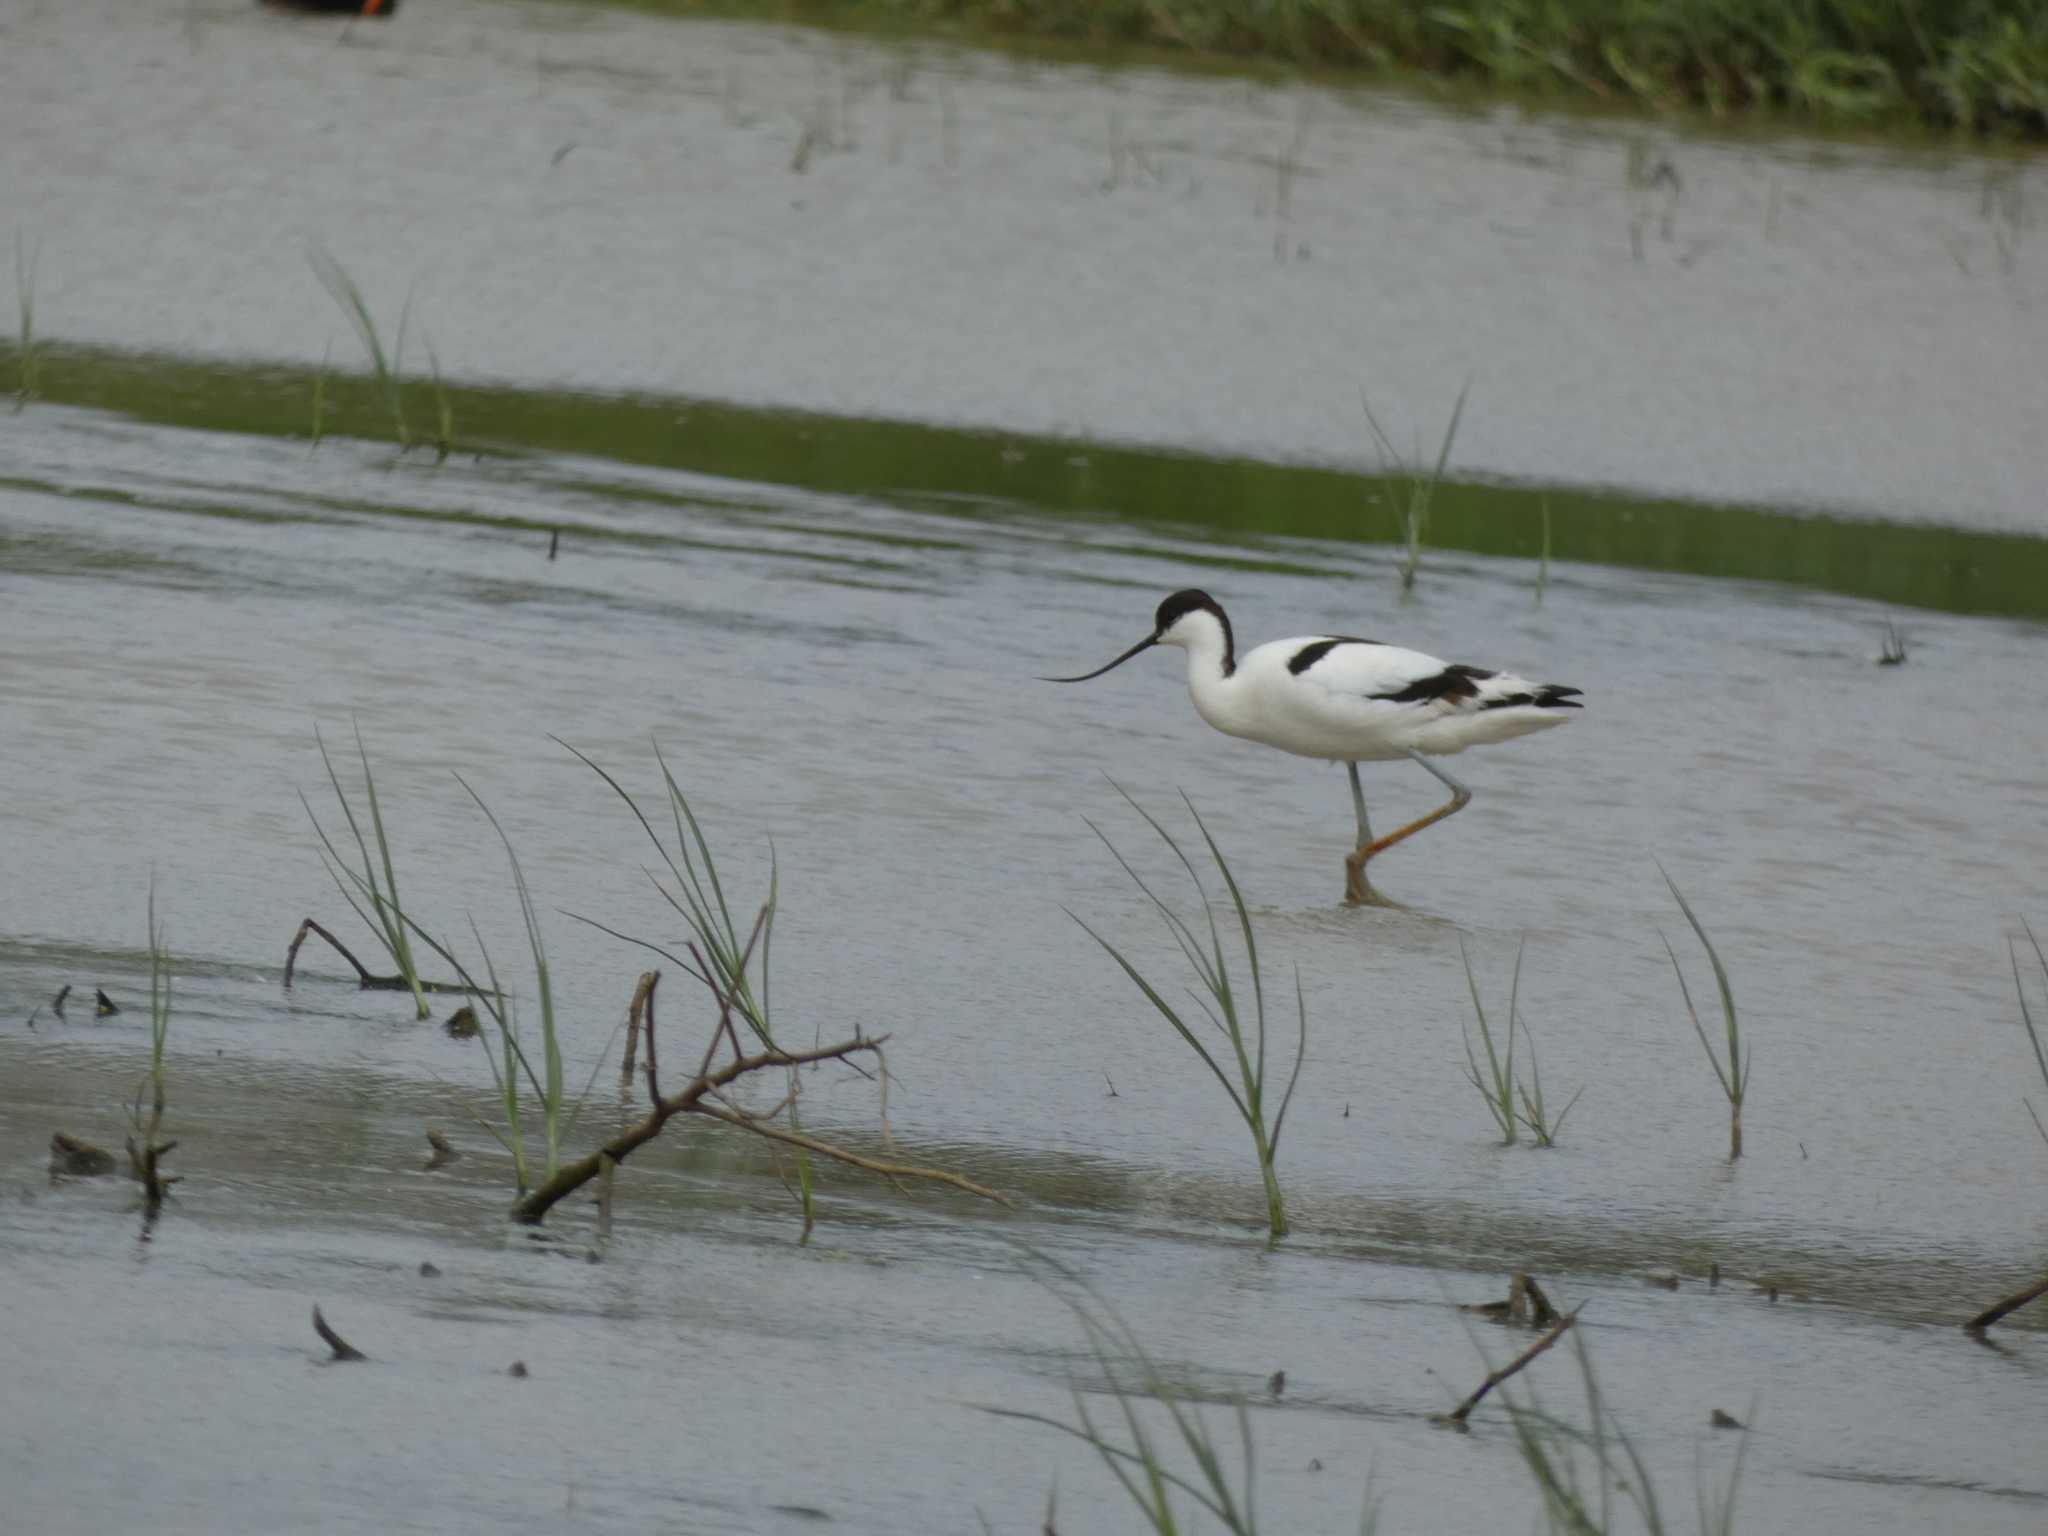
(574, 197)
(854, 678)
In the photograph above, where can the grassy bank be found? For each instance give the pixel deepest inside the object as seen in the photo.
(1976, 65)
(1922, 566)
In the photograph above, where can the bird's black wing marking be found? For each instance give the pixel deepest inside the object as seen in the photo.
(1546, 696)
(1454, 682)
(1316, 650)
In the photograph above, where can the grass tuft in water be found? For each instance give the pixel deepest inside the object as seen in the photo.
(1579, 1468)
(2027, 1016)
(697, 895)
(1159, 1427)
(444, 413)
(1421, 488)
(1513, 1102)
(1496, 1087)
(144, 1149)
(1733, 1074)
(320, 395)
(389, 922)
(1244, 1034)
(335, 279)
(26, 259)
(549, 1084)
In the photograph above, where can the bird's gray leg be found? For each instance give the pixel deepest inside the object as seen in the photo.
(1358, 804)
(1358, 891)
(1460, 798)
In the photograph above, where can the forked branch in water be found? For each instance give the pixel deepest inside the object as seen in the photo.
(692, 1099)
(364, 980)
(1459, 1414)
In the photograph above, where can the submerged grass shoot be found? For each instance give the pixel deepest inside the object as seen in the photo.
(1513, 1101)
(1733, 1074)
(1496, 1087)
(389, 922)
(26, 258)
(335, 279)
(1421, 488)
(696, 894)
(2027, 1016)
(1244, 1031)
(1582, 1468)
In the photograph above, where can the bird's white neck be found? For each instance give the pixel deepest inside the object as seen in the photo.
(1206, 637)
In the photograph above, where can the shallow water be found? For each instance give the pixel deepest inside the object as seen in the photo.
(834, 628)
(853, 677)
(580, 197)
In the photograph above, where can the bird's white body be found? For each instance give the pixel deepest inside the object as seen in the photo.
(1351, 700)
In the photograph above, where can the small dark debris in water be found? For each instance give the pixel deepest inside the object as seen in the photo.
(801, 1511)
(429, 1270)
(559, 156)
(79, 1159)
(1526, 1303)
(518, 1368)
(443, 1152)
(1347, 1111)
(57, 1002)
(106, 1005)
(343, 1350)
(33, 1017)
(1276, 1383)
(1112, 1086)
(1315, 1463)
(555, 534)
(1663, 1279)
(462, 1024)
(1714, 1275)
(1802, 1151)
(1894, 652)
(1722, 1420)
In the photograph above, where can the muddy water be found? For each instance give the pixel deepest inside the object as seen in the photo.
(853, 678)
(587, 198)
(834, 636)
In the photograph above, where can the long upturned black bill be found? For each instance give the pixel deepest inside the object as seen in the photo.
(1149, 640)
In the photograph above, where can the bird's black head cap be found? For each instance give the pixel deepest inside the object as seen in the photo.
(1182, 603)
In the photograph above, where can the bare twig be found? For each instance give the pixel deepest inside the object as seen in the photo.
(653, 1063)
(872, 1165)
(364, 980)
(642, 994)
(2011, 1303)
(1459, 1414)
(691, 1099)
(343, 1350)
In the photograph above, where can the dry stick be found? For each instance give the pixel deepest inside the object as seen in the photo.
(855, 1159)
(364, 980)
(1525, 1295)
(573, 1176)
(1458, 1414)
(2011, 1303)
(641, 995)
(343, 1350)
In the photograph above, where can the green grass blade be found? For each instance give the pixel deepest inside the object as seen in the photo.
(399, 946)
(1166, 1011)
